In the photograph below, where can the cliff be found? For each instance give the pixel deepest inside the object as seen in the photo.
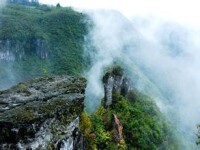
(115, 82)
(36, 40)
(127, 118)
(42, 114)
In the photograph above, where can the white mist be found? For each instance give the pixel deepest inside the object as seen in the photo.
(158, 43)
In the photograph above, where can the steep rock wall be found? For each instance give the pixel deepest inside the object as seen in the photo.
(115, 82)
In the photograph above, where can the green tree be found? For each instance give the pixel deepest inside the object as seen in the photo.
(58, 5)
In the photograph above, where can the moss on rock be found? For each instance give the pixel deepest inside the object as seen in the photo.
(47, 106)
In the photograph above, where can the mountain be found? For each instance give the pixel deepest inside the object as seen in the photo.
(127, 119)
(40, 40)
(49, 42)
(24, 2)
(48, 113)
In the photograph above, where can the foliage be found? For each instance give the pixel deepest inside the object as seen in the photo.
(198, 135)
(143, 125)
(114, 70)
(25, 2)
(146, 129)
(30, 31)
(85, 127)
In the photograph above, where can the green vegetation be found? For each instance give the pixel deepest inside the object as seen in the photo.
(44, 40)
(49, 40)
(143, 125)
(198, 135)
(36, 111)
(20, 87)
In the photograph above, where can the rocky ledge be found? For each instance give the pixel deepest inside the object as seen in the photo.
(42, 114)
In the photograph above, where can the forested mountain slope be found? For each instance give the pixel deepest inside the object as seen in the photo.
(40, 40)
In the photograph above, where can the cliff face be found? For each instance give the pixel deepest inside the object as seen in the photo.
(11, 50)
(42, 113)
(115, 82)
(40, 40)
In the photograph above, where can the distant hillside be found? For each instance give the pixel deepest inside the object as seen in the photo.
(24, 2)
(40, 40)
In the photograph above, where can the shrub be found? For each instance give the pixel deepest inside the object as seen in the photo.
(143, 125)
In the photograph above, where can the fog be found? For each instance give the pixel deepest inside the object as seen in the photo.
(161, 57)
(158, 43)
(160, 53)
(8, 77)
(2, 3)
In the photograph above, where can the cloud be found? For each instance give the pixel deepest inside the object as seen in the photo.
(158, 41)
(161, 57)
(2, 3)
(185, 11)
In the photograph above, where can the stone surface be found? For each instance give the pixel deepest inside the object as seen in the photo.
(115, 82)
(11, 50)
(42, 113)
(118, 129)
(108, 89)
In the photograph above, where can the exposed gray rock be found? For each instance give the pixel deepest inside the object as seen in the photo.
(108, 86)
(118, 129)
(11, 50)
(42, 113)
(115, 83)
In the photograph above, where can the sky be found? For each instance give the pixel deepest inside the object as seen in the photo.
(183, 11)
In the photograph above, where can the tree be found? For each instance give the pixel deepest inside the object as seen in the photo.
(58, 5)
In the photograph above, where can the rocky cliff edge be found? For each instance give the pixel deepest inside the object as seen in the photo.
(42, 114)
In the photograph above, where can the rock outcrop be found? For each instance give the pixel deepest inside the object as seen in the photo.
(42, 114)
(11, 50)
(115, 83)
(118, 129)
